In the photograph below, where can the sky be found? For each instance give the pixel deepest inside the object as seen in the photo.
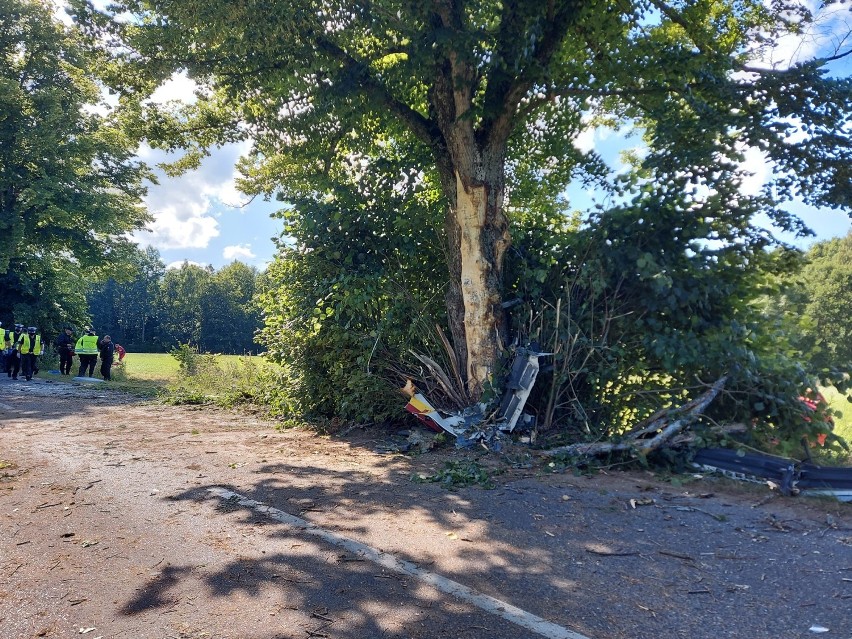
(200, 217)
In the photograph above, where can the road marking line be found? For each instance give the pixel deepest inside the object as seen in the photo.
(448, 586)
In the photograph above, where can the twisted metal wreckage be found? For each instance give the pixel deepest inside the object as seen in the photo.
(471, 425)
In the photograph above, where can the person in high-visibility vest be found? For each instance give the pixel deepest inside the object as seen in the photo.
(87, 350)
(13, 359)
(29, 346)
(4, 347)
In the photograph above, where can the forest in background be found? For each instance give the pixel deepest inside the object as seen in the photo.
(156, 310)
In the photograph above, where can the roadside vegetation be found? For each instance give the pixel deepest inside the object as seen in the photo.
(430, 235)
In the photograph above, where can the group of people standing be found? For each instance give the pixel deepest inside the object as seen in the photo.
(19, 350)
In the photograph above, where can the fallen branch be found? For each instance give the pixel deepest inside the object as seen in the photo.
(637, 440)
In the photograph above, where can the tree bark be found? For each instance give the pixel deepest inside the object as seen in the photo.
(483, 238)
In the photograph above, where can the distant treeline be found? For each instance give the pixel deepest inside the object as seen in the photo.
(154, 309)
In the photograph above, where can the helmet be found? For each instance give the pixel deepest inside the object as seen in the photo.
(32, 330)
(19, 327)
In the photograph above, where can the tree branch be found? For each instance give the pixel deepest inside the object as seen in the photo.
(660, 424)
(376, 92)
(506, 90)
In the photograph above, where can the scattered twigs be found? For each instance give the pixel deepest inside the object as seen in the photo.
(608, 552)
(676, 555)
(454, 394)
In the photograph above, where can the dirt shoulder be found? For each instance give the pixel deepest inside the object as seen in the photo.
(108, 526)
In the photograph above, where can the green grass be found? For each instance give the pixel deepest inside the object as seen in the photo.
(161, 367)
(839, 403)
(148, 374)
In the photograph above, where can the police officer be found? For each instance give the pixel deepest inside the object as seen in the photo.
(87, 350)
(107, 349)
(65, 348)
(30, 347)
(13, 359)
(4, 347)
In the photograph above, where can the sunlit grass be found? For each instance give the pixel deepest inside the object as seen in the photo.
(149, 373)
(839, 403)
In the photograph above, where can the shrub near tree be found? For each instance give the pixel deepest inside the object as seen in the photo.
(494, 95)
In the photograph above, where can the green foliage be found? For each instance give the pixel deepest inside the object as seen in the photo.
(374, 127)
(125, 307)
(357, 291)
(152, 308)
(189, 360)
(208, 379)
(640, 310)
(457, 474)
(71, 191)
(816, 304)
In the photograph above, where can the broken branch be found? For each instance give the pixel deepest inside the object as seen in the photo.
(635, 441)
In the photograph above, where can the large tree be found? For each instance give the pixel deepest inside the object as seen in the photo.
(497, 91)
(70, 188)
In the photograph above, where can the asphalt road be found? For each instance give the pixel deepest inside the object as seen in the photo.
(126, 519)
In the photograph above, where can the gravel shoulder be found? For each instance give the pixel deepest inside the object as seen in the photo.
(108, 529)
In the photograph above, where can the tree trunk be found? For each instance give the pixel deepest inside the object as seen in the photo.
(479, 238)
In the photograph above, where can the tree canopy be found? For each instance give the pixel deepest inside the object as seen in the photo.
(496, 93)
(70, 188)
(424, 149)
(817, 303)
(154, 309)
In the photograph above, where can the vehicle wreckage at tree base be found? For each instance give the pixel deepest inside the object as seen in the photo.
(788, 476)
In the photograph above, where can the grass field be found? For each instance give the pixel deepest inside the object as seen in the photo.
(838, 402)
(161, 367)
(148, 373)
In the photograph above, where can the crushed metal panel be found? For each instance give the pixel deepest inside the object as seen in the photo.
(420, 407)
(521, 380)
(791, 476)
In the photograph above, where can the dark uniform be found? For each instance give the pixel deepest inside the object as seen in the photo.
(107, 349)
(65, 348)
(13, 359)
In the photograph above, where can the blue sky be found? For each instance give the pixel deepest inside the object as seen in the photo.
(200, 217)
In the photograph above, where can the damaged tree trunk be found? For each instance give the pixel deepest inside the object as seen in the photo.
(473, 179)
(651, 434)
(482, 235)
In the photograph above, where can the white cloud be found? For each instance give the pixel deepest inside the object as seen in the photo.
(757, 169)
(184, 207)
(177, 88)
(237, 251)
(177, 228)
(585, 142)
(180, 263)
(822, 37)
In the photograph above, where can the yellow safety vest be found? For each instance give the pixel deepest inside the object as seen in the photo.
(25, 346)
(87, 345)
